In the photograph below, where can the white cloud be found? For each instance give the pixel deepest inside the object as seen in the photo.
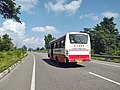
(17, 31)
(14, 29)
(110, 14)
(58, 7)
(46, 29)
(73, 6)
(27, 5)
(34, 42)
(90, 16)
(61, 6)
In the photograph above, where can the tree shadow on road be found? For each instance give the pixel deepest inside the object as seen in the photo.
(62, 65)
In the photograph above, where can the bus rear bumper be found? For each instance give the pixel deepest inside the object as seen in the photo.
(79, 58)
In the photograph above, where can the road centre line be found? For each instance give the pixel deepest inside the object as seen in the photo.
(106, 64)
(33, 75)
(107, 79)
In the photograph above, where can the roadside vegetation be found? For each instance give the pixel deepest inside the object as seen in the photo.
(8, 58)
(9, 55)
(105, 59)
(105, 38)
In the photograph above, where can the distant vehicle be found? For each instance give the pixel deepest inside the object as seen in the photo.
(71, 47)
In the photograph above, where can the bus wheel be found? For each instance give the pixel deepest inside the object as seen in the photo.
(66, 60)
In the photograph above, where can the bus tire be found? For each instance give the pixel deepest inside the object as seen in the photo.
(66, 60)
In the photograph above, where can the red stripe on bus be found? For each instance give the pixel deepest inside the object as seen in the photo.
(75, 57)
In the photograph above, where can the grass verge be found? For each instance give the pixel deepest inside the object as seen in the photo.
(106, 59)
(9, 58)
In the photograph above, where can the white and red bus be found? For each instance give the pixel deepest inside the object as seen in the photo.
(71, 47)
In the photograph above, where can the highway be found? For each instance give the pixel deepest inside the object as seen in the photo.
(37, 72)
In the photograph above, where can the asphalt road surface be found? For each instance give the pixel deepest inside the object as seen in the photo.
(37, 72)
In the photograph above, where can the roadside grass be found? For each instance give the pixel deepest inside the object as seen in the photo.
(106, 59)
(9, 58)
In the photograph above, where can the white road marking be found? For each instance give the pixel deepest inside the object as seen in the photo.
(106, 64)
(105, 78)
(33, 75)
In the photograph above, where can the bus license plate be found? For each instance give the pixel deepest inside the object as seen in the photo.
(78, 61)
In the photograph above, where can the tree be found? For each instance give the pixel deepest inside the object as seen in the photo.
(42, 48)
(30, 49)
(47, 39)
(100, 40)
(105, 38)
(37, 49)
(5, 43)
(24, 47)
(9, 9)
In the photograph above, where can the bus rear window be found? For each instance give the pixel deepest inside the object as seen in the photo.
(78, 38)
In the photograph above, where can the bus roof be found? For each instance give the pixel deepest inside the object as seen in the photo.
(77, 33)
(57, 39)
(65, 35)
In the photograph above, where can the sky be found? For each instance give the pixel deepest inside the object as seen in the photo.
(56, 17)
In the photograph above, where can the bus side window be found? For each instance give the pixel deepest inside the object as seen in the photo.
(54, 45)
(62, 43)
(59, 44)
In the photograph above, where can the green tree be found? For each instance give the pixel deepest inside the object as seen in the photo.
(6, 43)
(42, 48)
(24, 47)
(9, 9)
(105, 36)
(47, 39)
(30, 49)
(37, 49)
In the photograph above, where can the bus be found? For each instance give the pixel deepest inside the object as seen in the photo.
(73, 47)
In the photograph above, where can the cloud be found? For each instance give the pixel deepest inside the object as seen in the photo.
(34, 42)
(14, 29)
(73, 6)
(17, 31)
(27, 5)
(110, 14)
(58, 7)
(61, 6)
(46, 29)
(89, 16)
